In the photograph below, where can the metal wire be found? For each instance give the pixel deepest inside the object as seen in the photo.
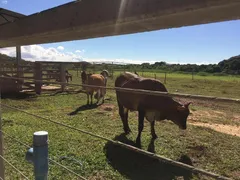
(64, 167)
(14, 167)
(139, 91)
(55, 162)
(155, 156)
(13, 138)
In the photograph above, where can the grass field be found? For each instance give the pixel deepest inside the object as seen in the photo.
(211, 142)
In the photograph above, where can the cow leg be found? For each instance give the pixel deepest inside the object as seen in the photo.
(123, 112)
(91, 97)
(87, 98)
(141, 115)
(103, 92)
(154, 136)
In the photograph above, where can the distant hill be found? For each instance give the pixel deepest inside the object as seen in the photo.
(231, 65)
(7, 59)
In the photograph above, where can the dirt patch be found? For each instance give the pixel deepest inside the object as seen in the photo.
(227, 129)
(197, 151)
(196, 115)
(107, 107)
(50, 88)
(212, 114)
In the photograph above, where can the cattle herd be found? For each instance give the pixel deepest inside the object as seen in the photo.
(153, 108)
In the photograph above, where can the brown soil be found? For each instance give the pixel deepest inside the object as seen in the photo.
(227, 129)
(107, 107)
(210, 114)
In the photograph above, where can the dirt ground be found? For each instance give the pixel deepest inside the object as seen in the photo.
(195, 116)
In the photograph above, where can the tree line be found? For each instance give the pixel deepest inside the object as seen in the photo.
(230, 66)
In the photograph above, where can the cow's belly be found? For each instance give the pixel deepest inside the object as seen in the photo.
(153, 116)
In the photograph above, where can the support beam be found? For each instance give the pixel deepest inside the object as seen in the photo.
(98, 18)
(19, 72)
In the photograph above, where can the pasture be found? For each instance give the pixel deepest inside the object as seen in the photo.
(211, 141)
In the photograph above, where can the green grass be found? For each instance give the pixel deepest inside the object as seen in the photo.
(98, 159)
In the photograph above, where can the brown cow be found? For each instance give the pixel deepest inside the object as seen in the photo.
(149, 106)
(95, 80)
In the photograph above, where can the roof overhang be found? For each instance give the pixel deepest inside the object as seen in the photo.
(7, 16)
(99, 18)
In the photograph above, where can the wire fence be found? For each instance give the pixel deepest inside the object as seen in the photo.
(145, 92)
(51, 160)
(139, 91)
(152, 155)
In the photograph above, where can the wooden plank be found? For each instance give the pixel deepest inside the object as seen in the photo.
(94, 18)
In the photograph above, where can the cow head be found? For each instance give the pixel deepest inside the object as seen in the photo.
(179, 117)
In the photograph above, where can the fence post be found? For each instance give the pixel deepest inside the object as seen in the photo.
(2, 169)
(62, 76)
(38, 155)
(38, 77)
(155, 76)
(192, 75)
(165, 78)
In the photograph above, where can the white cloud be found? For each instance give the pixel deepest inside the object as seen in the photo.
(4, 1)
(61, 48)
(39, 53)
(80, 51)
(117, 61)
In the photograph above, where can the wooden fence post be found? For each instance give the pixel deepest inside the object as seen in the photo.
(38, 77)
(192, 75)
(77, 72)
(155, 76)
(2, 169)
(62, 76)
(165, 78)
(19, 70)
(38, 155)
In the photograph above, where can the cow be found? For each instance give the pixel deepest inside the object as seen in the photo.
(96, 80)
(153, 108)
(84, 77)
(68, 76)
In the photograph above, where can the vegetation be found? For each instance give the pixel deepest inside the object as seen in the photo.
(225, 67)
(93, 158)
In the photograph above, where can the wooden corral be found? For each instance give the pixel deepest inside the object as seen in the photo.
(36, 72)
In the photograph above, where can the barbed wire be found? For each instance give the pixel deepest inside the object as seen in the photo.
(13, 167)
(136, 91)
(152, 155)
(53, 161)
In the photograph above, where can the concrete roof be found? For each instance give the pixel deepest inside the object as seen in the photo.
(99, 18)
(7, 16)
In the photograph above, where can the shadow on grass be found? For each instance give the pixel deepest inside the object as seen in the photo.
(83, 108)
(19, 96)
(137, 166)
(67, 92)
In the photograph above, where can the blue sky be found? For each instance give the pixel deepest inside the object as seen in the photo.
(209, 43)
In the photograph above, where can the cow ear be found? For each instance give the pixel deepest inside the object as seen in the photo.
(181, 108)
(187, 104)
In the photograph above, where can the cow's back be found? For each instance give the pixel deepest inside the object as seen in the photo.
(134, 100)
(124, 77)
(95, 80)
